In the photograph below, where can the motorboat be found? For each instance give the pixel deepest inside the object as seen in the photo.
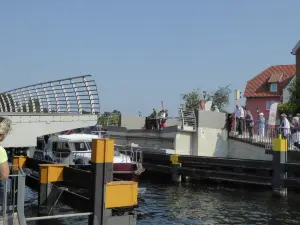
(75, 149)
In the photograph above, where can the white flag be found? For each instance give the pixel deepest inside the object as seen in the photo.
(208, 105)
(273, 114)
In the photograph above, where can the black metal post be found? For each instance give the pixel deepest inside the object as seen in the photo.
(279, 160)
(102, 170)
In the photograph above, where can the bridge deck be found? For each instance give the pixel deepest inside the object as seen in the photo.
(49, 107)
(27, 127)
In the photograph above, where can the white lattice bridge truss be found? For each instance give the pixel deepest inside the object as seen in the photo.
(49, 107)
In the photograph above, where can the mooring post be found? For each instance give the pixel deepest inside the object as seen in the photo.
(48, 173)
(17, 162)
(279, 160)
(102, 173)
(175, 166)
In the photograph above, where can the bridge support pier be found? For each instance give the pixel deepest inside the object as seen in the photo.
(47, 195)
(102, 170)
(106, 193)
(279, 160)
(176, 177)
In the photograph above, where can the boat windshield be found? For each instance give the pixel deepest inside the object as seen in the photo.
(89, 147)
(82, 146)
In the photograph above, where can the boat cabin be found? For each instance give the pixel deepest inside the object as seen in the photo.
(71, 149)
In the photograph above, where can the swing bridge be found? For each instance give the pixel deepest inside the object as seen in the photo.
(49, 107)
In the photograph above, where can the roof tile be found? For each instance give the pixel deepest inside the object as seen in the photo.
(258, 86)
(275, 77)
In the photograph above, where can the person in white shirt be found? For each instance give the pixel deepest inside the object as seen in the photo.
(162, 114)
(161, 117)
(285, 127)
(239, 116)
(261, 125)
(295, 132)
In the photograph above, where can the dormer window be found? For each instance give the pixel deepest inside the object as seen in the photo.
(273, 81)
(273, 87)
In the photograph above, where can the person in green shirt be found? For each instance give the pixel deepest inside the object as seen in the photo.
(5, 127)
(154, 119)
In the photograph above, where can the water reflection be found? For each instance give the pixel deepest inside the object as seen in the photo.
(203, 204)
(199, 204)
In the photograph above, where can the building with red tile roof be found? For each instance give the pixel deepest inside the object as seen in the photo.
(267, 87)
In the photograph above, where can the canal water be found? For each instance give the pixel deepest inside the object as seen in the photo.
(190, 204)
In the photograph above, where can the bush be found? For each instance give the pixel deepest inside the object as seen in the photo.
(287, 108)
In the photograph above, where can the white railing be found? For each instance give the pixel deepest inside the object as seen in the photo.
(265, 136)
(188, 118)
(13, 197)
(70, 95)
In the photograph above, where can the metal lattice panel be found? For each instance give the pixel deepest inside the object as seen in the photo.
(71, 95)
(188, 118)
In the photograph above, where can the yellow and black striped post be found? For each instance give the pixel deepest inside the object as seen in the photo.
(18, 162)
(176, 177)
(49, 173)
(279, 159)
(102, 170)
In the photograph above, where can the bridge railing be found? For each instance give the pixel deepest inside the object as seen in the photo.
(13, 197)
(70, 95)
(188, 118)
(265, 136)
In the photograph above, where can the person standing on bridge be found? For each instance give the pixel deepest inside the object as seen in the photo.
(239, 115)
(261, 125)
(5, 127)
(285, 128)
(249, 124)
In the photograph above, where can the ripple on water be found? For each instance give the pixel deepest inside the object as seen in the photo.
(196, 204)
(213, 205)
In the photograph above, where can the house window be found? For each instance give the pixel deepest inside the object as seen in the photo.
(268, 104)
(273, 87)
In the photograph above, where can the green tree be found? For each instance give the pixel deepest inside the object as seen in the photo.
(287, 108)
(294, 94)
(219, 98)
(33, 103)
(7, 100)
(110, 118)
(192, 99)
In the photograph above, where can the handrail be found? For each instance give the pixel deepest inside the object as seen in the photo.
(188, 118)
(11, 195)
(9, 198)
(58, 216)
(52, 81)
(70, 95)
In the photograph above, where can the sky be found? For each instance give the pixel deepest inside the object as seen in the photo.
(143, 52)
